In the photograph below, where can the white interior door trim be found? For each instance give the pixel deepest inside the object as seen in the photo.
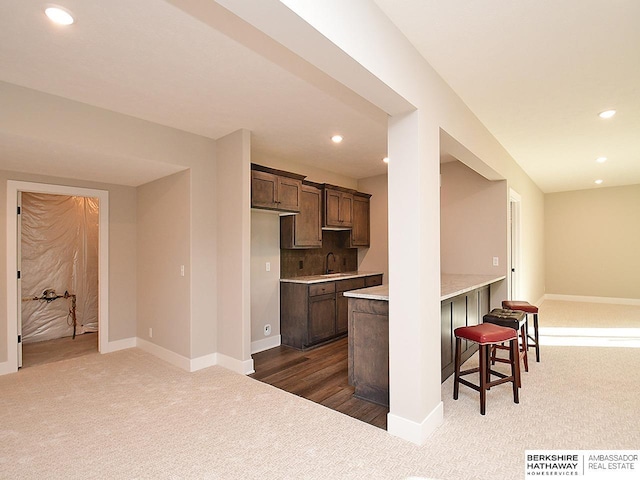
(13, 187)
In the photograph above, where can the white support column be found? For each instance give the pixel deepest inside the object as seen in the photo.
(414, 278)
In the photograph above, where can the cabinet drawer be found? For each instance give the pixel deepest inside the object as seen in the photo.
(350, 284)
(322, 288)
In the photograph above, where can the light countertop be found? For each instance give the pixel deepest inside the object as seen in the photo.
(331, 277)
(450, 286)
(457, 284)
(380, 292)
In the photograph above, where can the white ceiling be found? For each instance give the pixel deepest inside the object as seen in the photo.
(535, 72)
(150, 60)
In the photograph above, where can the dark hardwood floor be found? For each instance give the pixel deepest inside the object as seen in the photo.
(319, 375)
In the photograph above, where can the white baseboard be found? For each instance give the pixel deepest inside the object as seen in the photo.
(238, 366)
(415, 432)
(191, 365)
(579, 298)
(164, 354)
(266, 344)
(5, 368)
(205, 361)
(120, 345)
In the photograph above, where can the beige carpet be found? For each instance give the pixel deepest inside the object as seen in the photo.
(129, 415)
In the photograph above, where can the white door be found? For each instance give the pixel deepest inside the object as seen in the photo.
(19, 284)
(514, 237)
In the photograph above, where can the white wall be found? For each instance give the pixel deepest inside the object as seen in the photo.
(105, 140)
(312, 173)
(591, 240)
(265, 286)
(376, 257)
(473, 222)
(163, 247)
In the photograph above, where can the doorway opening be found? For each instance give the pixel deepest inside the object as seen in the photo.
(64, 295)
(514, 245)
(58, 265)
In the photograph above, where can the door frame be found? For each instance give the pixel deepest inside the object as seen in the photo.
(515, 225)
(13, 302)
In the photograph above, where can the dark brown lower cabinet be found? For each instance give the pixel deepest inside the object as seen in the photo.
(463, 310)
(322, 317)
(342, 302)
(311, 314)
(368, 360)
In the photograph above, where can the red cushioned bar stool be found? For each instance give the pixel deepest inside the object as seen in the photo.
(527, 308)
(486, 335)
(511, 319)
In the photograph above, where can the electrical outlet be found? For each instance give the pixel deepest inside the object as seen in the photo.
(267, 266)
(267, 330)
(182, 270)
(150, 332)
(300, 265)
(495, 261)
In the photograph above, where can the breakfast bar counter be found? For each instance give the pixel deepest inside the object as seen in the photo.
(464, 300)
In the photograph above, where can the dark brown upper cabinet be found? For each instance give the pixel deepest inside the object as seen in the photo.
(316, 206)
(338, 208)
(361, 225)
(304, 230)
(275, 189)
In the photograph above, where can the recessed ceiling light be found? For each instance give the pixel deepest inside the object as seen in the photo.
(598, 182)
(385, 159)
(607, 114)
(336, 138)
(59, 15)
(601, 159)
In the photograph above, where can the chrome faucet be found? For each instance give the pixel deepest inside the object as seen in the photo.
(328, 270)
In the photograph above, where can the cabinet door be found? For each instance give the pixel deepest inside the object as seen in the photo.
(446, 338)
(289, 194)
(472, 315)
(308, 223)
(338, 209)
(459, 314)
(332, 208)
(360, 229)
(264, 190)
(483, 302)
(342, 302)
(342, 313)
(346, 210)
(322, 317)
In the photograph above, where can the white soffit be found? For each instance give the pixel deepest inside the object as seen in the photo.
(150, 60)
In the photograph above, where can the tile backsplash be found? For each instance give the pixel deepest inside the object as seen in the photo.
(298, 263)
